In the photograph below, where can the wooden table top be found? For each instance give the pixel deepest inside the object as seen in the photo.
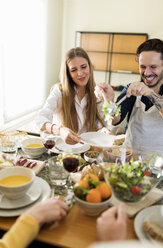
(76, 230)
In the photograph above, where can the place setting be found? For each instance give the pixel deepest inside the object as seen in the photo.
(18, 195)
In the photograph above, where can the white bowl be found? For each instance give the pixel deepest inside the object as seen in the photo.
(90, 159)
(15, 192)
(92, 209)
(31, 151)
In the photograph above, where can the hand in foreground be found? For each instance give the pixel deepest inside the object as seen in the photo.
(138, 89)
(69, 136)
(107, 89)
(111, 225)
(50, 210)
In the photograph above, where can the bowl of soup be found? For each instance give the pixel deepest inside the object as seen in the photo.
(33, 147)
(15, 181)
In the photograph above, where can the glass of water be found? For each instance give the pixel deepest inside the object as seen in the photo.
(57, 174)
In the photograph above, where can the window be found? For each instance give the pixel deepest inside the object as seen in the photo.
(22, 57)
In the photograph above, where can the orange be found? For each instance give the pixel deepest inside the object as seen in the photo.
(93, 196)
(92, 176)
(80, 183)
(105, 190)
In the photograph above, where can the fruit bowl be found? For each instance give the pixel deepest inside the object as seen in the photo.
(92, 195)
(92, 209)
(130, 181)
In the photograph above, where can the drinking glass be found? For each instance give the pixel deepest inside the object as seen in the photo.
(57, 174)
(49, 144)
(70, 164)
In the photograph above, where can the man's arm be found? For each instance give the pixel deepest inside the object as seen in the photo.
(157, 100)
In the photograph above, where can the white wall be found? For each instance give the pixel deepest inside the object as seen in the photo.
(136, 16)
(54, 41)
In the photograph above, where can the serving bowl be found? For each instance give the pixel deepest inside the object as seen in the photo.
(11, 191)
(116, 154)
(92, 195)
(130, 182)
(33, 147)
(91, 156)
(92, 209)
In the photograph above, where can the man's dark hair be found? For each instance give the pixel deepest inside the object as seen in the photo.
(151, 45)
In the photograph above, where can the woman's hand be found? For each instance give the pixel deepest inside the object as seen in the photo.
(50, 210)
(138, 89)
(111, 225)
(107, 89)
(69, 136)
(105, 130)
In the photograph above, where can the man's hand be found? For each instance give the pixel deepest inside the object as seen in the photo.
(138, 89)
(111, 225)
(107, 89)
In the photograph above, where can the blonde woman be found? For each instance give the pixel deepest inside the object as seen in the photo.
(72, 107)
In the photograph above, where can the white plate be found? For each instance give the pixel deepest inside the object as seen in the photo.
(31, 195)
(45, 189)
(77, 148)
(152, 213)
(98, 139)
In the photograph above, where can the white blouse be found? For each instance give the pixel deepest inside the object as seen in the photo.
(52, 106)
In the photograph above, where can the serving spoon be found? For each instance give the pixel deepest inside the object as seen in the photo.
(112, 106)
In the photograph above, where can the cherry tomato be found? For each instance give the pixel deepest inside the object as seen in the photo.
(147, 173)
(136, 190)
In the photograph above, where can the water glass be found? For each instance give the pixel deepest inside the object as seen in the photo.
(8, 144)
(57, 174)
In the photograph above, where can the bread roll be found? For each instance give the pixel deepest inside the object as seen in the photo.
(154, 230)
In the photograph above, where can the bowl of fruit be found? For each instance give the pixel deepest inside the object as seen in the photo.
(92, 195)
(130, 181)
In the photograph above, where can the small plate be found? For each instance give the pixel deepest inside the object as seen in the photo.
(31, 196)
(98, 139)
(77, 148)
(152, 213)
(45, 194)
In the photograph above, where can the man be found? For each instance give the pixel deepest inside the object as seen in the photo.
(144, 103)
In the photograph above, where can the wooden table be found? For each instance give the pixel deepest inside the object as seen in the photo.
(77, 230)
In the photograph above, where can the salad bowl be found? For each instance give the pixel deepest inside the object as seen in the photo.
(130, 181)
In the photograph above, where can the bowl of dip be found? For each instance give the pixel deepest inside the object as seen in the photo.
(15, 181)
(33, 147)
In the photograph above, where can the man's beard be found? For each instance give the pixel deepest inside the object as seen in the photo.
(154, 85)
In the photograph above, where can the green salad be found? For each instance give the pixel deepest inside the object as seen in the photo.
(115, 111)
(130, 181)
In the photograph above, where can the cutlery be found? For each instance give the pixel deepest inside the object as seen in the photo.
(69, 199)
(113, 106)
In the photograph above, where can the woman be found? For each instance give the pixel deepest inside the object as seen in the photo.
(71, 107)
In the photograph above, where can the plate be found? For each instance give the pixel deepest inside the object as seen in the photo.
(77, 148)
(31, 195)
(46, 191)
(152, 213)
(98, 139)
(12, 158)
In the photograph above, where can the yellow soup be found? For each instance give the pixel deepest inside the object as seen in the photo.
(34, 145)
(14, 181)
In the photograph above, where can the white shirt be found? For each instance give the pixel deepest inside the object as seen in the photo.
(50, 111)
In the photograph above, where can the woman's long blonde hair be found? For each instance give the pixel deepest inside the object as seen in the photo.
(68, 112)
